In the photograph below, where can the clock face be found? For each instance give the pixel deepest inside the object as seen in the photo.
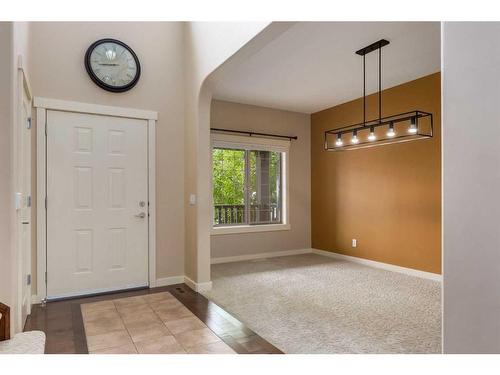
(112, 65)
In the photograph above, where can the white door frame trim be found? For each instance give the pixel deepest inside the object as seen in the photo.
(23, 86)
(26, 83)
(44, 104)
(95, 109)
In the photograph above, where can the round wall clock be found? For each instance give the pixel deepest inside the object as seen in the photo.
(112, 65)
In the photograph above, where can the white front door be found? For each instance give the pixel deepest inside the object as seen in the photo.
(97, 203)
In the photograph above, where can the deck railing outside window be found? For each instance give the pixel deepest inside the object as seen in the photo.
(234, 214)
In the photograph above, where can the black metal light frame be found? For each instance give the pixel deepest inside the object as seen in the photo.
(422, 120)
(423, 131)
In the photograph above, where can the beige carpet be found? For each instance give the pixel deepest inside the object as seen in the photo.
(315, 304)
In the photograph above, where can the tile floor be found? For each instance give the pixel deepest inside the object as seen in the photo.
(148, 324)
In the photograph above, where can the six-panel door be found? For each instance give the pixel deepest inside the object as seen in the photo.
(97, 211)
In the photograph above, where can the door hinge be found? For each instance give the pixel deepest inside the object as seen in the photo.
(28, 279)
(28, 201)
(45, 277)
(45, 128)
(45, 202)
(28, 123)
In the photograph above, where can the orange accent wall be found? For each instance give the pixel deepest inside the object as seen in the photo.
(386, 197)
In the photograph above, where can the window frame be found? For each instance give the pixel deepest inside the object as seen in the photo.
(229, 141)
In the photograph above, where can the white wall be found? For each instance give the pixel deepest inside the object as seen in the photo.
(471, 187)
(176, 59)
(58, 71)
(207, 46)
(227, 115)
(212, 49)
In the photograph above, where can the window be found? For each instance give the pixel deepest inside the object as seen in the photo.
(248, 181)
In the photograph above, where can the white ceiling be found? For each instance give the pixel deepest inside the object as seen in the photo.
(312, 66)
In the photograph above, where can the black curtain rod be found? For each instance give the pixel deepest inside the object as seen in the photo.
(290, 137)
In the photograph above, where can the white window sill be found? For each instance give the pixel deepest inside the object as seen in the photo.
(249, 229)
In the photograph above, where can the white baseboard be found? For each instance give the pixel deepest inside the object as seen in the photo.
(198, 287)
(239, 258)
(384, 266)
(164, 281)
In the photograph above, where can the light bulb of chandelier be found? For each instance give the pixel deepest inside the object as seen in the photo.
(339, 142)
(413, 126)
(354, 138)
(391, 133)
(372, 136)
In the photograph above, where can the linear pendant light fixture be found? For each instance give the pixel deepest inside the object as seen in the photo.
(402, 127)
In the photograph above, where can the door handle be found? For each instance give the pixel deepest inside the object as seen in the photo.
(142, 215)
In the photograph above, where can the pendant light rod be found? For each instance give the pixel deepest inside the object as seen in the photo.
(363, 52)
(380, 84)
(364, 90)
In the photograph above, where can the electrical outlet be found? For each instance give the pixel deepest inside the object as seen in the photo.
(354, 242)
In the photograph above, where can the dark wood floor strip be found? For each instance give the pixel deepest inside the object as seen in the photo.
(62, 321)
(79, 330)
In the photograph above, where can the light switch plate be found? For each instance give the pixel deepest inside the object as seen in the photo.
(18, 201)
(354, 242)
(192, 199)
